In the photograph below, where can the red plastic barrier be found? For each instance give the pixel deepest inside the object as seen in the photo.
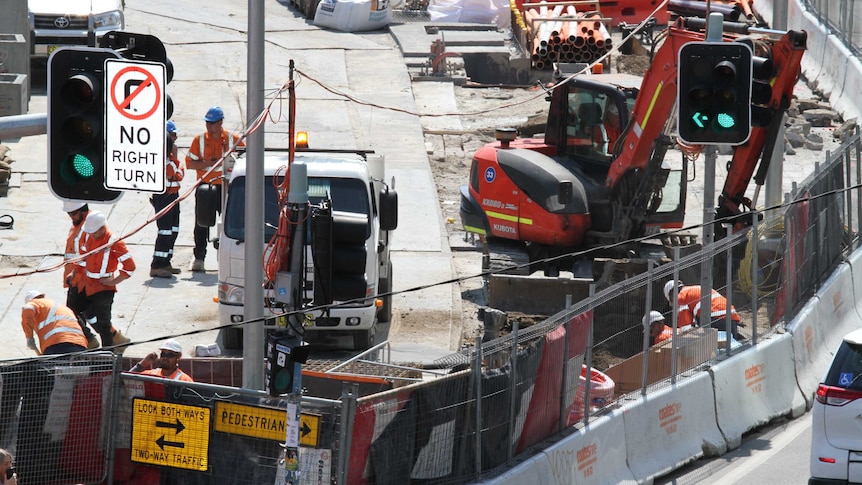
(81, 457)
(543, 413)
(363, 431)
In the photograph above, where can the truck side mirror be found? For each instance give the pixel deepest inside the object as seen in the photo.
(564, 194)
(388, 209)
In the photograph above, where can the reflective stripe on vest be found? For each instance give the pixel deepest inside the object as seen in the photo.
(52, 318)
(103, 269)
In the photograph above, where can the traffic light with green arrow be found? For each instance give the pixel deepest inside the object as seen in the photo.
(714, 93)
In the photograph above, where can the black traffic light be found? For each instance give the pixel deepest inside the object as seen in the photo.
(76, 134)
(142, 47)
(714, 92)
(284, 358)
(339, 254)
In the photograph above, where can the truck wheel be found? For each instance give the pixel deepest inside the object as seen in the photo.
(363, 339)
(231, 338)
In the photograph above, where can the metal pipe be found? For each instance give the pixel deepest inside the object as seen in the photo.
(17, 126)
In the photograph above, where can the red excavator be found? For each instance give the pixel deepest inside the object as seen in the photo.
(589, 184)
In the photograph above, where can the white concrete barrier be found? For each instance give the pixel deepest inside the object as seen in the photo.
(855, 263)
(818, 328)
(672, 426)
(592, 455)
(754, 387)
(828, 62)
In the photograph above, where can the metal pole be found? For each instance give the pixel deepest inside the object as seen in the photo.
(775, 175)
(728, 334)
(253, 334)
(645, 323)
(345, 432)
(674, 318)
(513, 361)
(708, 231)
(789, 286)
(755, 283)
(589, 359)
(565, 377)
(477, 381)
(17, 126)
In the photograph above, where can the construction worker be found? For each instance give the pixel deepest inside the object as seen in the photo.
(688, 307)
(77, 211)
(166, 362)
(103, 270)
(168, 225)
(658, 331)
(206, 150)
(54, 324)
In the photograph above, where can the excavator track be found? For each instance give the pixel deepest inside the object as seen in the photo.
(506, 257)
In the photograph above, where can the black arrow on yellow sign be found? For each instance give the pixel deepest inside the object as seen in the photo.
(162, 443)
(305, 429)
(178, 426)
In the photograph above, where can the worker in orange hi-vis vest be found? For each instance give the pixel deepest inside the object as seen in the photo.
(53, 323)
(169, 223)
(77, 212)
(205, 151)
(103, 270)
(164, 364)
(689, 311)
(659, 330)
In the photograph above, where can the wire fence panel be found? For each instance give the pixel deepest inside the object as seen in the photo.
(55, 417)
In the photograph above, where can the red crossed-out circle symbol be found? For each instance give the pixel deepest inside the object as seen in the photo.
(148, 80)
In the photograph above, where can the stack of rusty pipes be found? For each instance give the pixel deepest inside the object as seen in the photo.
(559, 33)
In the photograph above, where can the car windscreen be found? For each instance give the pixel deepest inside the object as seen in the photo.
(846, 367)
(348, 195)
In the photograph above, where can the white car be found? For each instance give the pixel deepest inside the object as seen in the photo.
(836, 430)
(57, 23)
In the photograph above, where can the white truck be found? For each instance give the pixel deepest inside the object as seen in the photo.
(58, 23)
(355, 184)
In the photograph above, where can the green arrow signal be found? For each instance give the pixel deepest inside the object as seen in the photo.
(699, 119)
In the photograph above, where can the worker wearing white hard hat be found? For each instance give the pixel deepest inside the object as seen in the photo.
(658, 331)
(108, 264)
(72, 267)
(206, 155)
(165, 364)
(52, 323)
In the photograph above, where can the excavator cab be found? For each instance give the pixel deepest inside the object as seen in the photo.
(587, 115)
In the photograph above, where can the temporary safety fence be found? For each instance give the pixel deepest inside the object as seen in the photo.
(509, 394)
(55, 417)
(78, 419)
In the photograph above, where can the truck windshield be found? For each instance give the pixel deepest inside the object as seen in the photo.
(348, 195)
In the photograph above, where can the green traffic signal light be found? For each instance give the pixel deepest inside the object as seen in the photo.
(725, 120)
(83, 166)
(714, 92)
(76, 135)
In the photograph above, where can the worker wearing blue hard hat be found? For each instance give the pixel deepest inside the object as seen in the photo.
(207, 154)
(169, 223)
(214, 114)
